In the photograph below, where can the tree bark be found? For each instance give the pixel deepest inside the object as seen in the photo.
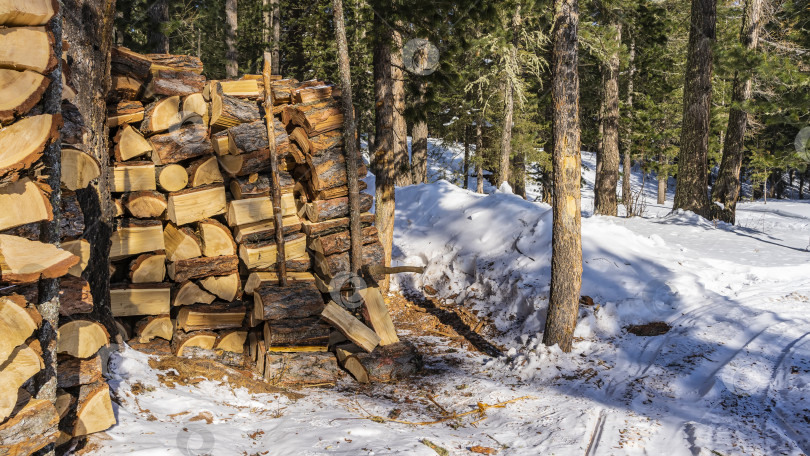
(419, 144)
(384, 152)
(349, 132)
(627, 157)
(566, 245)
(158, 16)
(231, 55)
(276, 14)
(691, 193)
(466, 167)
(479, 155)
(726, 190)
(401, 156)
(662, 187)
(606, 200)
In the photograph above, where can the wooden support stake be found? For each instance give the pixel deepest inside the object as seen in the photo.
(281, 259)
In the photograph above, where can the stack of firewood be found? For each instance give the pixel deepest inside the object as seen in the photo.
(28, 421)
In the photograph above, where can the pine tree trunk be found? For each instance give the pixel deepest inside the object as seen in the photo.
(726, 190)
(662, 188)
(691, 192)
(276, 15)
(419, 141)
(509, 106)
(801, 185)
(349, 133)
(158, 16)
(231, 55)
(384, 146)
(401, 156)
(466, 166)
(89, 53)
(627, 157)
(266, 24)
(479, 155)
(608, 178)
(518, 174)
(566, 245)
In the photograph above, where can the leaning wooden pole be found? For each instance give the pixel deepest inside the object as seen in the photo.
(271, 136)
(350, 136)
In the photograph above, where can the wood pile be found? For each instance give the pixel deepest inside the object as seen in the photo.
(194, 251)
(30, 135)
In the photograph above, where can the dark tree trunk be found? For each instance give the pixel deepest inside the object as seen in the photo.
(158, 17)
(627, 157)
(691, 193)
(384, 147)
(726, 190)
(466, 166)
(402, 159)
(801, 185)
(276, 32)
(231, 55)
(479, 155)
(606, 201)
(419, 145)
(90, 55)
(518, 175)
(566, 244)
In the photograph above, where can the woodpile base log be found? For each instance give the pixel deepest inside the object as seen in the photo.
(306, 369)
(385, 364)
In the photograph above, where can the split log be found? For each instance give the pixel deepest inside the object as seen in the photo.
(23, 202)
(217, 316)
(74, 296)
(81, 248)
(257, 280)
(245, 88)
(15, 13)
(282, 90)
(73, 372)
(24, 261)
(124, 328)
(329, 267)
(221, 357)
(258, 185)
(74, 130)
(23, 142)
(231, 341)
(200, 339)
(327, 170)
(196, 204)
(138, 300)
(245, 164)
(33, 426)
(317, 144)
(133, 237)
(301, 264)
(124, 112)
(129, 63)
(297, 300)
(184, 63)
(220, 142)
(385, 364)
(167, 83)
(252, 341)
(22, 364)
(189, 293)
(315, 118)
(17, 324)
(181, 243)
(81, 338)
(263, 255)
(341, 242)
(93, 412)
(188, 141)
(130, 143)
(265, 230)
(350, 327)
(319, 211)
(261, 350)
(124, 88)
(312, 94)
(133, 177)
(145, 204)
(78, 169)
(252, 137)
(204, 171)
(27, 48)
(20, 91)
(171, 178)
(216, 239)
(316, 229)
(378, 315)
(227, 288)
(195, 104)
(296, 335)
(158, 326)
(148, 268)
(289, 369)
(337, 192)
(161, 116)
(252, 210)
(227, 111)
(199, 268)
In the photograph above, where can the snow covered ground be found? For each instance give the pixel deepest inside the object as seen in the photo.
(732, 376)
